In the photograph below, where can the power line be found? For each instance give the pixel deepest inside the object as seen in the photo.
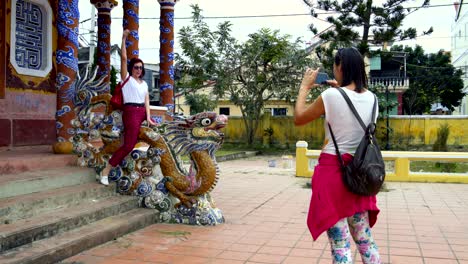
(278, 15)
(225, 17)
(434, 67)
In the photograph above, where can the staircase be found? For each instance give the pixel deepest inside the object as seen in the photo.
(51, 209)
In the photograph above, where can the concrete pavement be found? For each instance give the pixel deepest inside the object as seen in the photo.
(265, 210)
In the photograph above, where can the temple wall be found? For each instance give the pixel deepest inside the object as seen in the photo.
(28, 104)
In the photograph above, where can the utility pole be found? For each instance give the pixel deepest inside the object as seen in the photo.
(387, 146)
(92, 42)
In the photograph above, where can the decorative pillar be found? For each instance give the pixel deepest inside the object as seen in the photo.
(166, 54)
(104, 8)
(67, 68)
(131, 22)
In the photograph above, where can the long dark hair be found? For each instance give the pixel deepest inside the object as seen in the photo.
(352, 66)
(132, 63)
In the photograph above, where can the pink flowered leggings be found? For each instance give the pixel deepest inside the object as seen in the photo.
(358, 227)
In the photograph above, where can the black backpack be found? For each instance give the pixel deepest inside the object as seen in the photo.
(365, 174)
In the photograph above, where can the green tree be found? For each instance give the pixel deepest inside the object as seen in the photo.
(199, 103)
(267, 66)
(433, 79)
(353, 22)
(113, 79)
(113, 73)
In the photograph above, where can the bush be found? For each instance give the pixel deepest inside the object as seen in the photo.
(441, 145)
(442, 135)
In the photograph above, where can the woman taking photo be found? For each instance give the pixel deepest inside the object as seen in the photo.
(136, 106)
(333, 208)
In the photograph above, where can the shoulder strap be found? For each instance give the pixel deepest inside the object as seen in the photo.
(351, 106)
(126, 80)
(374, 109)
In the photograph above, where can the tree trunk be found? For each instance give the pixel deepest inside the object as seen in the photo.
(250, 131)
(251, 125)
(364, 47)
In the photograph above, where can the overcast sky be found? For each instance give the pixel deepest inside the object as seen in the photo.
(440, 18)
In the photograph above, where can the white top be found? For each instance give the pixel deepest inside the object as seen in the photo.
(346, 128)
(134, 92)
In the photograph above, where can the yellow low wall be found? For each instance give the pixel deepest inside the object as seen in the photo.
(307, 159)
(406, 130)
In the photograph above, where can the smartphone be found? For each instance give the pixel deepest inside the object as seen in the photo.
(322, 78)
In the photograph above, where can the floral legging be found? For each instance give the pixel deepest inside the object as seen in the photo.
(358, 227)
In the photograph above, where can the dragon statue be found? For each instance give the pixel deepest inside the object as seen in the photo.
(154, 171)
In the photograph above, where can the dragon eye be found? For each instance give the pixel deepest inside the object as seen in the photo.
(206, 122)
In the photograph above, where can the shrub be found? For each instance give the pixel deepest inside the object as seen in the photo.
(442, 135)
(441, 145)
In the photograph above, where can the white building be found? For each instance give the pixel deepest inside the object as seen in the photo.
(459, 38)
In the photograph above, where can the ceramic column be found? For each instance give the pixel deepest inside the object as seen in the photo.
(166, 54)
(131, 22)
(67, 67)
(104, 8)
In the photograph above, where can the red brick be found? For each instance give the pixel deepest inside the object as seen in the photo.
(5, 132)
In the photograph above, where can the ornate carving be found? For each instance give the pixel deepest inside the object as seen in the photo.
(31, 37)
(29, 43)
(104, 5)
(67, 68)
(104, 8)
(131, 22)
(13, 80)
(155, 174)
(166, 54)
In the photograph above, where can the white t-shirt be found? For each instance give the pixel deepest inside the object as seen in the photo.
(346, 128)
(134, 92)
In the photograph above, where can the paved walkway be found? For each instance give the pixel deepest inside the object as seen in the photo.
(265, 210)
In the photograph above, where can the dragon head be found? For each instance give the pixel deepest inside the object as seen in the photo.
(197, 132)
(207, 125)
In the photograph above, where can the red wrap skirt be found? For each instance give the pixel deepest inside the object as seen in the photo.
(331, 200)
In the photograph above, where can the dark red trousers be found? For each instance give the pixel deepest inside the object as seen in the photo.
(132, 118)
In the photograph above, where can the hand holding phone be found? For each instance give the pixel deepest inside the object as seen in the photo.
(321, 78)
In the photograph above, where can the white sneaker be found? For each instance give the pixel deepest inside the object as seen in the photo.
(104, 180)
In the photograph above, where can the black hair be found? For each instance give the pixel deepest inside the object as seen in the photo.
(352, 67)
(132, 63)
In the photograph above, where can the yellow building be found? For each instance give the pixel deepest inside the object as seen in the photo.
(226, 107)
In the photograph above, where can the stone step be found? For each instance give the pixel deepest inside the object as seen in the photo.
(238, 155)
(42, 180)
(26, 231)
(33, 158)
(67, 244)
(30, 205)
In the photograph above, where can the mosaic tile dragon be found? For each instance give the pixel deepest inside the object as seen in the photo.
(155, 173)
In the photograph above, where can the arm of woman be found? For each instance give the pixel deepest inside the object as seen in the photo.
(304, 114)
(148, 110)
(123, 55)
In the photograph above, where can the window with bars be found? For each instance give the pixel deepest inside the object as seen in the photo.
(279, 111)
(224, 111)
(31, 37)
